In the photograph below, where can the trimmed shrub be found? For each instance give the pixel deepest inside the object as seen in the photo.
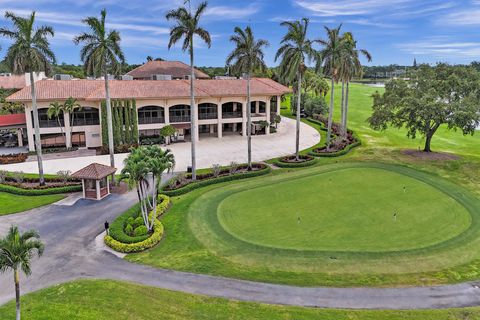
(129, 229)
(39, 192)
(137, 222)
(130, 220)
(138, 246)
(285, 162)
(139, 231)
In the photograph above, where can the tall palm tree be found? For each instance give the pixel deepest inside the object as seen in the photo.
(330, 56)
(247, 57)
(350, 67)
(30, 52)
(102, 54)
(187, 25)
(296, 49)
(55, 109)
(16, 253)
(69, 107)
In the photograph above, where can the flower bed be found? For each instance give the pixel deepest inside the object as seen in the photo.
(18, 183)
(183, 184)
(291, 162)
(122, 239)
(13, 158)
(40, 191)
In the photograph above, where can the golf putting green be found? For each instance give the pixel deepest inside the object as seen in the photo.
(357, 209)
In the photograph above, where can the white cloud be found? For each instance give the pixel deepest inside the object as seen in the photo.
(442, 48)
(462, 17)
(347, 7)
(231, 13)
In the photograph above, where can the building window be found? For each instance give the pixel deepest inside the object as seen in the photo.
(151, 114)
(179, 113)
(207, 111)
(231, 110)
(45, 122)
(86, 116)
(52, 140)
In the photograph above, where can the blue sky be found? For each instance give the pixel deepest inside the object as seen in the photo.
(394, 31)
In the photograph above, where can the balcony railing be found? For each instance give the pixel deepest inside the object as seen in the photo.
(227, 115)
(150, 120)
(204, 116)
(179, 118)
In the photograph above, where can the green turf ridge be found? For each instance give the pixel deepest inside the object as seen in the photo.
(11, 203)
(106, 300)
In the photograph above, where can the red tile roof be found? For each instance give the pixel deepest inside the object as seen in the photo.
(94, 90)
(176, 69)
(95, 171)
(10, 120)
(13, 82)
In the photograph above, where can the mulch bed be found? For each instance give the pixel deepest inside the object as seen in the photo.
(29, 185)
(431, 156)
(293, 159)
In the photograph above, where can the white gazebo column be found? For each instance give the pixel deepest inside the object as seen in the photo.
(83, 188)
(68, 137)
(30, 129)
(244, 118)
(219, 121)
(97, 188)
(20, 137)
(108, 185)
(267, 110)
(279, 104)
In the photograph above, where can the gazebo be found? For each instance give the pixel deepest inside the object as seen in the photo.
(94, 180)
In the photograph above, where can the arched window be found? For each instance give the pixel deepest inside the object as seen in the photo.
(179, 113)
(46, 122)
(151, 114)
(87, 116)
(207, 111)
(231, 110)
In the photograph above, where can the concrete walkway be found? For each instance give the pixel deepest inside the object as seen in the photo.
(69, 234)
(209, 151)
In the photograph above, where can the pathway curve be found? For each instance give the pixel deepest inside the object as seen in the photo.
(69, 235)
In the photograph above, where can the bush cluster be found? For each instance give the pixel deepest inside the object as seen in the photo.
(40, 191)
(13, 158)
(148, 243)
(208, 179)
(286, 162)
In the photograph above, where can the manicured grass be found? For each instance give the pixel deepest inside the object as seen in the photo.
(11, 203)
(106, 300)
(309, 215)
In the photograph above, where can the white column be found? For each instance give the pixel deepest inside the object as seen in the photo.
(20, 137)
(108, 186)
(244, 118)
(219, 120)
(197, 136)
(83, 188)
(257, 106)
(68, 138)
(267, 110)
(97, 187)
(279, 104)
(30, 129)
(166, 111)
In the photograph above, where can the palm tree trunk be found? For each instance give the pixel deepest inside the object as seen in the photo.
(299, 108)
(249, 125)
(330, 114)
(70, 118)
(342, 108)
(193, 114)
(111, 148)
(36, 124)
(346, 106)
(17, 293)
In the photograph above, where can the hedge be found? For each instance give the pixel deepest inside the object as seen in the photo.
(279, 163)
(148, 243)
(338, 153)
(117, 231)
(203, 183)
(39, 192)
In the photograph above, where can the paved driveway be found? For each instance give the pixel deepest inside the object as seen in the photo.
(69, 233)
(209, 151)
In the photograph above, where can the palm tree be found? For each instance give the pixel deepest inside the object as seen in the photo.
(186, 27)
(247, 57)
(69, 107)
(350, 67)
(101, 54)
(330, 56)
(16, 253)
(55, 109)
(295, 50)
(30, 52)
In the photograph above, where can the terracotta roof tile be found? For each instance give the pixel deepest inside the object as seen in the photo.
(94, 171)
(176, 69)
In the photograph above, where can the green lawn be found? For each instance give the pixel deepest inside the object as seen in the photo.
(11, 203)
(307, 215)
(106, 300)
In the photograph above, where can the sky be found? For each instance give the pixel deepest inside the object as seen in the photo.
(394, 31)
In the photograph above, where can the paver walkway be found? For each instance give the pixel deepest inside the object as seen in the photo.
(209, 151)
(69, 234)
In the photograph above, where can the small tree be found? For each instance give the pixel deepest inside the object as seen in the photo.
(55, 109)
(69, 107)
(441, 95)
(276, 119)
(167, 132)
(16, 253)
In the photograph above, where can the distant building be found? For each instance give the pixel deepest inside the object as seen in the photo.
(164, 70)
(19, 81)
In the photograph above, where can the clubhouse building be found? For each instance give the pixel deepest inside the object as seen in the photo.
(221, 105)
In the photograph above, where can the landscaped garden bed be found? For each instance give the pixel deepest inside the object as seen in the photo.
(291, 161)
(27, 185)
(128, 233)
(13, 158)
(182, 184)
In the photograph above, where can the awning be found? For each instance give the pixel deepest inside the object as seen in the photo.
(13, 121)
(180, 126)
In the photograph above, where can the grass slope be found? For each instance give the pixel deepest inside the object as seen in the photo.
(10, 203)
(105, 300)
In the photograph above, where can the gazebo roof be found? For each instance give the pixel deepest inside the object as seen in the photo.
(94, 171)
